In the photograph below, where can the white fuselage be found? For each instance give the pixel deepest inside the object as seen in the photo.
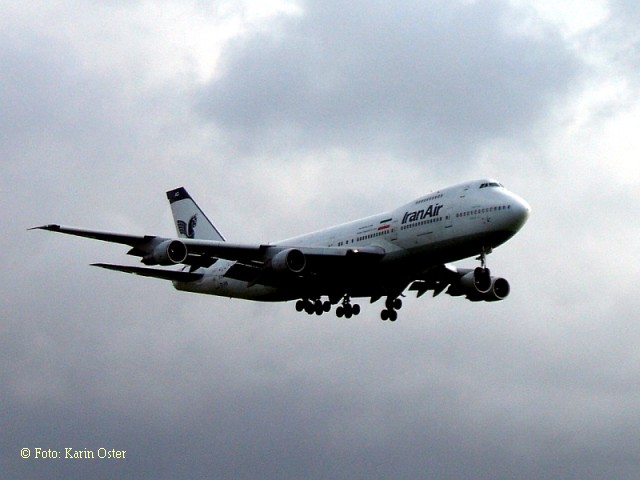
(448, 225)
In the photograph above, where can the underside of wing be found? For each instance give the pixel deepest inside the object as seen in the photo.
(270, 264)
(475, 284)
(437, 280)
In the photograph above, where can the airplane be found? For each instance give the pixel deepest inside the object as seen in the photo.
(376, 257)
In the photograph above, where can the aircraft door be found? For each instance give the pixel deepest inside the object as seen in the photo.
(395, 226)
(448, 217)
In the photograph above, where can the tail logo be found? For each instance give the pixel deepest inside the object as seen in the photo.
(188, 230)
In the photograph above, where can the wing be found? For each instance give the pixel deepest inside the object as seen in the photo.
(141, 245)
(264, 264)
(263, 254)
(272, 264)
(436, 279)
(132, 240)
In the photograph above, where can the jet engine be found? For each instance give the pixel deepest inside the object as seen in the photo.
(479, 289)
(290, 260)
(499, 290)
(168, 252)
(478, 281)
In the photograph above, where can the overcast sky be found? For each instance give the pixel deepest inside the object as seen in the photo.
(282, 117)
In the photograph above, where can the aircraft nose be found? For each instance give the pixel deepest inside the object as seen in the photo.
(520, 212)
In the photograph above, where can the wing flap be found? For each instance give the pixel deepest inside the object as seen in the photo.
(242, 272)
(436, 279)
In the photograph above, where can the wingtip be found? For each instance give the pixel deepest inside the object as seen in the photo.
(52, 227)
(106, 266)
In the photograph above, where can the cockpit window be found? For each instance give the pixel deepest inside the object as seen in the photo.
(491, 184)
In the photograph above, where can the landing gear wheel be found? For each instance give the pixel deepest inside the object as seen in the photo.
(300, 305)
(390, 313)
(309, 307)
(393, 303)
(347, 309)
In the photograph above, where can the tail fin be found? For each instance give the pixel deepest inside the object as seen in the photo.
(191, 222)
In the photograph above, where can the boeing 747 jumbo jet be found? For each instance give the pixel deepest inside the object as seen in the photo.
(375, 257)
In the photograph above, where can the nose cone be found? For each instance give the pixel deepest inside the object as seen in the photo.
(520, 211)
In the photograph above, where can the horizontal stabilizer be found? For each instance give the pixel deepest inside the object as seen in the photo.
(153, 272)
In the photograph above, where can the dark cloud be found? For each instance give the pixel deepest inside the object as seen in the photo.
(451, 396)
(430, 77)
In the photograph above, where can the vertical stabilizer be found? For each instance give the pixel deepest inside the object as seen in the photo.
(191, 222)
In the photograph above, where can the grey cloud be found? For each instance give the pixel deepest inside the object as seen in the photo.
(615, 44)
(437, 77)
(356, 400)
(69, 126)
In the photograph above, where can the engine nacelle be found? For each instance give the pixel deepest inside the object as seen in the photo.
(472, 286)
(291, 260)
(500, 289)
(168, 252)
(478, 281)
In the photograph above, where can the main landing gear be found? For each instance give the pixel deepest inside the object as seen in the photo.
(391, 312)
(318, 307)
(347, 309)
